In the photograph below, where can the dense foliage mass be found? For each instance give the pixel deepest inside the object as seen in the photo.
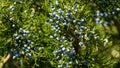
(59, 34)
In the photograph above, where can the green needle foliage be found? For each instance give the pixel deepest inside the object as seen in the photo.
(59, 34)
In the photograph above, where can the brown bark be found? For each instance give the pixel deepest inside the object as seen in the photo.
(5, 60)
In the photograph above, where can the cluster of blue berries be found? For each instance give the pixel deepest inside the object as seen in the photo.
(22, 43)
(65, 55)
(103, 15)
(61, 20)
(66, 25)
(21, 37)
